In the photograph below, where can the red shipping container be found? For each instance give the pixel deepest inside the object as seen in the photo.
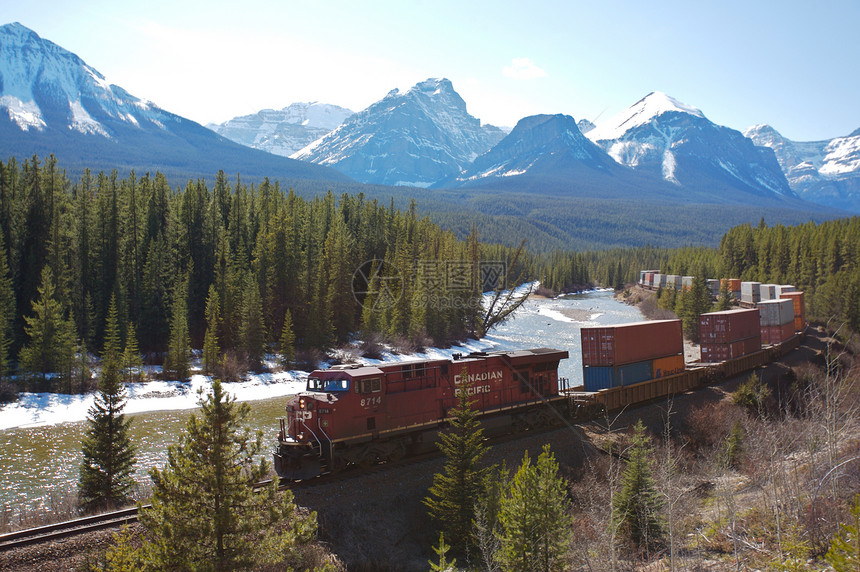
(776, 334)
(629, 343)
(712, 353)
(799, 309)
(728, 326)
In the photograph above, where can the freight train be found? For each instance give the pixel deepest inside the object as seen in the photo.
(362, 415)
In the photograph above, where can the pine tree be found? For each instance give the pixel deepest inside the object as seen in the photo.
(51, 335)
(132, 364)
(211, 345)
(205, 512)
(534, 516)
(441, 551)
(178, 362)
(7, 311)
(844, 553)
(253, 330)
(636, 507)
(108, 454)
(288, 342)
(454, 491)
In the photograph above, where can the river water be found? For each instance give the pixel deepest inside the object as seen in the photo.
(40, 464)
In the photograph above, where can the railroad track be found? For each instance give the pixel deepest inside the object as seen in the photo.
(60, 530)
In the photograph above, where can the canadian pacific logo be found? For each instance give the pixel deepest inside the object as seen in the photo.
(475, 378)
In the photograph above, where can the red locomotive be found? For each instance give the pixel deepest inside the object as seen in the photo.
(360, 414)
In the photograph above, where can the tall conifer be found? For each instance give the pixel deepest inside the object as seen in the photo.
(108, 454)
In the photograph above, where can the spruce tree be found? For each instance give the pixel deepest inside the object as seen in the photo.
(205, 512)
(211, 345)
(132, 363)
(288, 342)
(7, 311)
(636, 507)
(455, 490)
(50, 335)
(253, 328)
(844, 553)
(534, 517)
(108, 454)
(178, 362)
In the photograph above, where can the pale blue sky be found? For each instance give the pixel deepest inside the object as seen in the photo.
(793, 65)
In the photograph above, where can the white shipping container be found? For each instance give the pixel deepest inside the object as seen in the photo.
(768, 292)
(750, 292)
(714, 286)
(660, 280)
(687, 282)
(783, 288)
(775, 312)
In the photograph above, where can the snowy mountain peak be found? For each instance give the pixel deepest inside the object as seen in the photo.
(284, 131)
(415, 138)
(39, 79)
(641, 113)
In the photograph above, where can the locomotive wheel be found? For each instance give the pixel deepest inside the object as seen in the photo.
(397, 452)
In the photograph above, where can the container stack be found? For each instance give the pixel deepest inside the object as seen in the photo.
(768, 291)
(733, 285)
(750, 292)
(799, 309)
(784, 289)
(728, 335)
(713, 287)
(777, 320)
(625, 354)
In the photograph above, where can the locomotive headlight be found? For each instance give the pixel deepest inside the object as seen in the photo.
(302, 403)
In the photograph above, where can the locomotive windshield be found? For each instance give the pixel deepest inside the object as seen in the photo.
(315, 384)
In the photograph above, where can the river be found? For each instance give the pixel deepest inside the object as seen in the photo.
(40, 464)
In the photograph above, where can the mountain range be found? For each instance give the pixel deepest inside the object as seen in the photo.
(53, 102)
(659, 173)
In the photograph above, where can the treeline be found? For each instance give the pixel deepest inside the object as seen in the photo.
(263, 252)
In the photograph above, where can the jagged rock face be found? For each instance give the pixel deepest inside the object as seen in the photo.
(415, 138)
(538, 144)
(666, 137)
(285, 131)
(825, 172)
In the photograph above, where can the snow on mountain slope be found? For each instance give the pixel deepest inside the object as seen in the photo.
(414, 138)
(677, 142)
(825, 172)
(39, 79)
(285, 131)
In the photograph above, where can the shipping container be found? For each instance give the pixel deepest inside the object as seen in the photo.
(750, 292)
(674, 281)
(659, 280)
(713, 287)
(687, 282)
(734, 284)
(784, 289)
(767, 292)
(771, 335)
(649, 279)
(669, 365)
(629, 343)
(728, 326)
(776, 312)
(596, 378)
(799, 309)
(712, 353)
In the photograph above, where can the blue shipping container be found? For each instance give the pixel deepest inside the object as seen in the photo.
(605, 377)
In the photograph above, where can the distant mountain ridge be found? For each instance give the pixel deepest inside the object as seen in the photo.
(825, 172)
(285, 131)
(663, 136)
(415, 138)
(51, 101)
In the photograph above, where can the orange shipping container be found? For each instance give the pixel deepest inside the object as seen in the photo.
(669, 365)
(799, 309)
(734, 284)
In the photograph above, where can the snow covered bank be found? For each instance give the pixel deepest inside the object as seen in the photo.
(38, 409)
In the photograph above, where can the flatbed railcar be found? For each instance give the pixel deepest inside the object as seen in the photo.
(364, 414)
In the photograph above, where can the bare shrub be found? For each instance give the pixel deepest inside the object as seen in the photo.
(371, 347)
(233, 367)
(709, 425)
(309, 359)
